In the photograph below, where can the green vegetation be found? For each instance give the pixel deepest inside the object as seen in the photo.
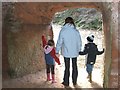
(84, 18)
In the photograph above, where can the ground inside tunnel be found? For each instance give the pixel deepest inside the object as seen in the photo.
(38, 80)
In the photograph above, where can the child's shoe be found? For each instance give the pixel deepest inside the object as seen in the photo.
(54, 81)
(48, 77)
(88, 77)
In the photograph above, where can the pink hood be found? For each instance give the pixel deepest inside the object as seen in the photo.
(48, 50)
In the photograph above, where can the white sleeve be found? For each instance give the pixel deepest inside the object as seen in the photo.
(59, 42)
(79, 41)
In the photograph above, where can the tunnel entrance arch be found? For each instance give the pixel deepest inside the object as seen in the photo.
(98, 71)
(107, 29)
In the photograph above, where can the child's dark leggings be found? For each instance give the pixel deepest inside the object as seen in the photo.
(50, 68)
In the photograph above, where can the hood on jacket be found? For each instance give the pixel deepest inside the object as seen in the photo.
(48, 49)
(68, 25)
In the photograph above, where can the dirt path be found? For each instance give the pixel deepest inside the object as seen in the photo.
(38, 80)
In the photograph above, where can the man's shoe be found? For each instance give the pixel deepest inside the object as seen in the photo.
(65, 84)
(76, 85)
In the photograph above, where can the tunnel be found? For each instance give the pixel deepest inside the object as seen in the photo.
(25, 23)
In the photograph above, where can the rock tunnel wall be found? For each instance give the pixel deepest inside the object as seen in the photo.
(23, 43)
(110, 22)
(24, 50)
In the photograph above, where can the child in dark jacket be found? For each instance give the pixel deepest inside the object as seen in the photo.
(91, 51)
(50, 58)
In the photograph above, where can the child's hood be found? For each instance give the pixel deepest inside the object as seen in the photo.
(48, 49)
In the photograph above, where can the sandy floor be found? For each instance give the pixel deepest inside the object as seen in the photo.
(38, 80)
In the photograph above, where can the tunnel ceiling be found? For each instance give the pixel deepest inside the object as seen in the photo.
(43, 12)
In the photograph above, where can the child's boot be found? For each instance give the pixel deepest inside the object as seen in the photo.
(53, 78)
(48, 77)
(90, 78)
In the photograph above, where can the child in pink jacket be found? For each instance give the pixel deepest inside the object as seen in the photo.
(50, 58)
